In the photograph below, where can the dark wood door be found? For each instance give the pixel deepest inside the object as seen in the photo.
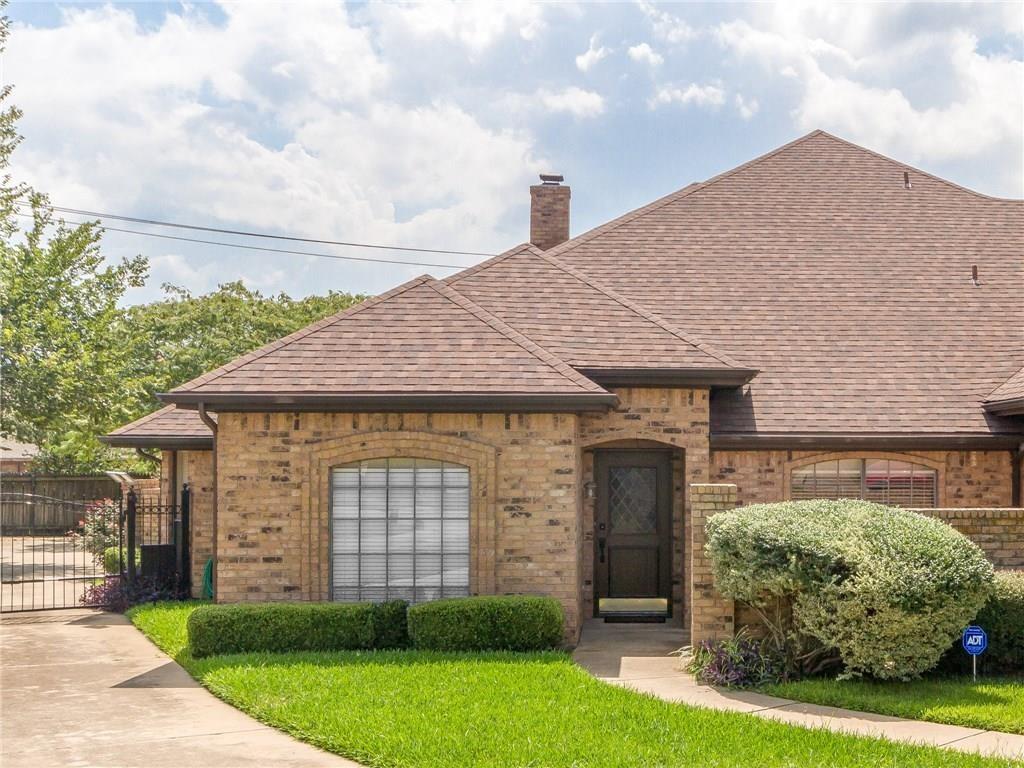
(632, 531)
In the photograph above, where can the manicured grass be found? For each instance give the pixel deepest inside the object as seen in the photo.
(416, 709)
(995, 704)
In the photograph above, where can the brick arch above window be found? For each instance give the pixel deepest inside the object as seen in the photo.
(482, 460)
(910, 458)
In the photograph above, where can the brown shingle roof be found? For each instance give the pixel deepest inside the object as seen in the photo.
(850, 293)
(585, 323)
(419, 342)
(168, 427)
(1008, 397)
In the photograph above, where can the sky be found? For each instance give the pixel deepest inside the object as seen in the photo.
(424, 125)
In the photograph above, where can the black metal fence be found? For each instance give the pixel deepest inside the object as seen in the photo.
(110, 544)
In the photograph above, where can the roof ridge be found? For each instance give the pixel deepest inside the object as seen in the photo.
(513, 251)
(672, 197)
(266, 349)
(1018, 373)
(642, 311)
(915, 169)
(515, 336)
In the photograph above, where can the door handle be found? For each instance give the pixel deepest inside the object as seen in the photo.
(600, 548)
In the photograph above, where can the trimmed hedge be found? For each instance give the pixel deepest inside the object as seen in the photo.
(506, 623)
(112, 560)
(887, 588)
(1002, 618)
(286, 627)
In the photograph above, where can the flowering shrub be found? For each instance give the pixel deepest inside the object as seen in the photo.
(99, 528)
(114, 594)
(737, 662)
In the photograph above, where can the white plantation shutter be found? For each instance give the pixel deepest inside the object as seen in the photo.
(400, 530)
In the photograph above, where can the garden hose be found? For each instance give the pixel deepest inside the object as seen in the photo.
(208, 580)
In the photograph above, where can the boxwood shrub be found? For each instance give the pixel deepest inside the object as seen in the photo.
(286, 627)
(886, 588)
(503, 623)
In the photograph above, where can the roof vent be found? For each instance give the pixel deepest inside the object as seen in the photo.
(906, 181)
(974, 275)
(552, 179)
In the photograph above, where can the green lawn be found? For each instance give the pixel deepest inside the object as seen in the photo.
(993, 704)
(414, 709)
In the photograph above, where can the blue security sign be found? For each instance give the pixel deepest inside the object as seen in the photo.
(974, 640)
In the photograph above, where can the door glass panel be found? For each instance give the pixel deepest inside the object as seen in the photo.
(633, 499)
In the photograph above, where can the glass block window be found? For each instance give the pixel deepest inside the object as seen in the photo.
(886, 481)
(400, 530)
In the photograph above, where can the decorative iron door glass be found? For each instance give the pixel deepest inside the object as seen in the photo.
(400, 530)
(632, 532)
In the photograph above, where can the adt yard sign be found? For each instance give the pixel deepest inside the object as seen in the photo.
(974, 641)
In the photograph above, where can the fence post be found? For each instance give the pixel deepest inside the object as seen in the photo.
(181, 537)
(131, 517)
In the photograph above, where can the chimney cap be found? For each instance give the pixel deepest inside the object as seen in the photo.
(552, 179)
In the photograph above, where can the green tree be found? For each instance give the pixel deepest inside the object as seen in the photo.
(183, 336)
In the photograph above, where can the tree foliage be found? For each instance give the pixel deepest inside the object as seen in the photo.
(74, 362)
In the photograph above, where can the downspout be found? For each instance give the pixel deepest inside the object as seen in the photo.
(212, 425)
(1016, 459)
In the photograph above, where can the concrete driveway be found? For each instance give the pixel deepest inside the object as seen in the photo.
(85, 688)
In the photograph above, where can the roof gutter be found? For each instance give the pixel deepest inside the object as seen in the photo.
(1010, 407)
(672, 377)
(876, 442)
(405, 402)
(160, 442)
(212, 425)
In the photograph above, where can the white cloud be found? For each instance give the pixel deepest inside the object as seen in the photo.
(591, 56)
(746, 107)
(667, 27)
(929, 94)
(697, 95)
(275, 120)
(476, 25)
(573, 100)
(644, 53)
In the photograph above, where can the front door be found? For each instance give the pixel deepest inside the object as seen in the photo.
(632, 533)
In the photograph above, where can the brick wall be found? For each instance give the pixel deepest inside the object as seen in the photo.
(659, 418)
(966, 478)
(999, 532)
(711, 615)
(549, 215)
(195, 468)
(273, 491)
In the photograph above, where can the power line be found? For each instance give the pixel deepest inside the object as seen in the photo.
(269, 250)
(244, 233)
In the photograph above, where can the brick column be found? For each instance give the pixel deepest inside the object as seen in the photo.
(711, 615)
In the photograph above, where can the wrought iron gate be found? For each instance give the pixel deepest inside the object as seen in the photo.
(64, 553)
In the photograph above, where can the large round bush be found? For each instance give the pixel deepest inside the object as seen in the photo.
(887, 588)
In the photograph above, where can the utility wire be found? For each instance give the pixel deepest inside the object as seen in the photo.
(244, 233)
(263, 248)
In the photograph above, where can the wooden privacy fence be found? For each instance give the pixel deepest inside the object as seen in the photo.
(50, 503)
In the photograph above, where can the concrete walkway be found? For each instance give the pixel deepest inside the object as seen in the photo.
(85, 688)
(636, 656)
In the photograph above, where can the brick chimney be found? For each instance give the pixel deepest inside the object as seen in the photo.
(549, 212)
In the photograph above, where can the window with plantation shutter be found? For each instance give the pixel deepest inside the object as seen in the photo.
(886, 481)
(400, 530)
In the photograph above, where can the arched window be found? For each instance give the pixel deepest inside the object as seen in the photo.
(886, 481)
(400, 530)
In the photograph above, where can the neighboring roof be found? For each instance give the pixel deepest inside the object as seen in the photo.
(1008, 397)
(850, 293)
(420, 345)
(170, 427)
(12, 450)
(586, 324)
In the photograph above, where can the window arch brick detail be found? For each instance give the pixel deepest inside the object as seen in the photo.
(481, 459)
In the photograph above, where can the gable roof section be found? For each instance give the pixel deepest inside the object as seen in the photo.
(421, 345)
(1008, 397)
(169, 427)
(589, 325)
(849, 292)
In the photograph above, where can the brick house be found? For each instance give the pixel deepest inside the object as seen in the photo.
(819, 322)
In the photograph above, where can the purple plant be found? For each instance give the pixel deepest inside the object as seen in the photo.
(737, 662)
(115, 594)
